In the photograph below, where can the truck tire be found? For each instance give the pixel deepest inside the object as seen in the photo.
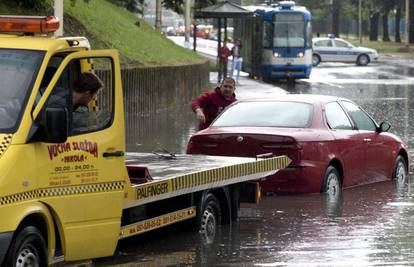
(27, 249)
(209, 218)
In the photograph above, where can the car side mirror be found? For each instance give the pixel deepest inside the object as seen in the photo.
(57, 125)
(384, 126)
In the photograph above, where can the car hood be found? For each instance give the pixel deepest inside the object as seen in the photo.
(366, 50)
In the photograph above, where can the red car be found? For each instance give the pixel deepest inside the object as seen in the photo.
(332, 142)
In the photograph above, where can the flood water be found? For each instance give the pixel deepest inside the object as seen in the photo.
(370, 225)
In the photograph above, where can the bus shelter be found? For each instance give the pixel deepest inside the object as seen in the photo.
(221, 11)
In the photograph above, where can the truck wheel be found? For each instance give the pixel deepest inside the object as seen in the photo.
(210, 218)
(27, 249)
(400, 172)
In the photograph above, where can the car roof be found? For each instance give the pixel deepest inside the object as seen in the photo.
(305, 98)
(326, 38)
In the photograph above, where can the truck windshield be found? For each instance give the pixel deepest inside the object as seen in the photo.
(289, 30)
(18, 69)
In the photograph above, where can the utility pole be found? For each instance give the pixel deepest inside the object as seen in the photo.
(360, 21)
(187, 21)
(158, 15)
(407, 25)
(58, 6)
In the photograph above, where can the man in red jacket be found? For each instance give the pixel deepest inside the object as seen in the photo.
(209, 105)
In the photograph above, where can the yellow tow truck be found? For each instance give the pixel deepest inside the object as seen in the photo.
(71, 192)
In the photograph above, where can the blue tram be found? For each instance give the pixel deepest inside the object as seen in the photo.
(281, 41)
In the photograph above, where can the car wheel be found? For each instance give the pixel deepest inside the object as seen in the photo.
(362, 60)
(331, 182)
(316, 59)
(210, 218)
(27, 249)
(400, 172)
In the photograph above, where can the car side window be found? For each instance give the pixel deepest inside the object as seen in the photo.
(323, 43)
(336, 117)
(339, 43)
(361, 119)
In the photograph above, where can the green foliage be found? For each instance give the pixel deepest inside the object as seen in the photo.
(177, 5)
(108, 26)
(135, 6)
(32, 4)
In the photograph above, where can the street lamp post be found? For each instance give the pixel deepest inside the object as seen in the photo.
(158, 14)
(58, 6)
(187, 21)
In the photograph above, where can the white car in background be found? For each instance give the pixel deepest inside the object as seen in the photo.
(331, 49)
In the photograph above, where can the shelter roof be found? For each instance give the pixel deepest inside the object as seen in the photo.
(223, 9)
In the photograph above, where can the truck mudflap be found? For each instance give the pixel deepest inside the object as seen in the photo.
(5, 240)
(183, 174)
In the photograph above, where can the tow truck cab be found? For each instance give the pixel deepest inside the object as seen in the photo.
(65, 187)
(42, 155)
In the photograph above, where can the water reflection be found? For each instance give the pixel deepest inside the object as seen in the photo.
(366, 226)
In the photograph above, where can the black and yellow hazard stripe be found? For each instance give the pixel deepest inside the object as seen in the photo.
(208, 178)
(157, 222)
(4, 143)
(62, 191)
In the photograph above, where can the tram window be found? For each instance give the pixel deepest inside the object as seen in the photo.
(267, 34)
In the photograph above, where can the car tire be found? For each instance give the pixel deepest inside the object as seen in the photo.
(400, 174)
(209, 218)
(331, 182)
(316, 59)
(362, 60)
(27, 249)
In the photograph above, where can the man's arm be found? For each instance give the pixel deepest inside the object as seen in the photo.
(198, 104)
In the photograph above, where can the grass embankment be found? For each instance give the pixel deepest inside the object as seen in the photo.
(108, 26)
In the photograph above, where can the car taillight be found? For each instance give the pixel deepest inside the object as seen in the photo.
(291, 149)
(200, 146)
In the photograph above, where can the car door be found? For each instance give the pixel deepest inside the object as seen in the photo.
(378, 156)
(344, 51)
(348, 143)
(325, 49)
(81, 180)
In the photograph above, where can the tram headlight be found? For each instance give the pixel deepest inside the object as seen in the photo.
(300, 54)
(276, 54)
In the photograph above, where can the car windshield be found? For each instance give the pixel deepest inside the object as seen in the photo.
(267, 114)
(18, 69)
(289, 30)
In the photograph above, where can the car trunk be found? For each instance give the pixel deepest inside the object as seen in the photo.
(244, 145)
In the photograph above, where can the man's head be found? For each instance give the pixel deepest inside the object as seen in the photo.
(227, 87)
(86, 87)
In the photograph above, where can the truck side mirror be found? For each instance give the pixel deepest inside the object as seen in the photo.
(57, 125)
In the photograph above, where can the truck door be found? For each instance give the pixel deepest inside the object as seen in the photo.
(82, 179)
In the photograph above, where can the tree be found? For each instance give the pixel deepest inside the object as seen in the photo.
(336, 16)
(177, 5)
(33, 4)
(135, 6)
